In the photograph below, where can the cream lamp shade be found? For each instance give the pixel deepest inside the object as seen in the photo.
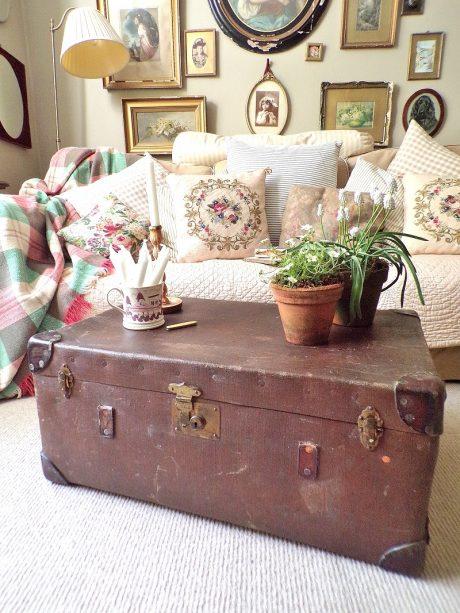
(90, 46)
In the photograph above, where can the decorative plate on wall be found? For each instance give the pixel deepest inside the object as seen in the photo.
(267, 26)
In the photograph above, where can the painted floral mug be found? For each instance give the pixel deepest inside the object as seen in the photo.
(141, 306)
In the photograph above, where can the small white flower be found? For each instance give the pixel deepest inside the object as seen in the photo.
(343, 214)
(313, 258)
(393, 187)
(320, 209)
(377, 197)
(307, 228)
(354, 231)
(358, 198)
(291, 242)
(285, 268)
(334, 253)
(292, 280)
(342, 196)
(389, 202)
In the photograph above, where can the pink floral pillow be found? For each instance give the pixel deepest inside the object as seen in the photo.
(105, 226)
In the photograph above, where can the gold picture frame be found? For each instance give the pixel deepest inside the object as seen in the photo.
(368, 27)
(314, 52)
(425, 56)
(267, 107)
(200, 63)
(358, 105)
(152, 124)
(152, 36)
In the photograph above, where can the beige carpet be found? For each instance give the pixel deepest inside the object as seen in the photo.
(69, 549)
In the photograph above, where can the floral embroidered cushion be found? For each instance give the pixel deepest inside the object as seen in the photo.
(219, 216)
(432, 211)
(302, 209)
(115, 224)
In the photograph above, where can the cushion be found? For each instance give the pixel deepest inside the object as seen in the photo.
(302, 207)
(113, 223)
(366, 177)
(432, 211)
(204, 148)
(419, 153)
(219, 217)
(290, 165)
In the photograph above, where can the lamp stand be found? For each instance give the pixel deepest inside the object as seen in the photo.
(170, 304)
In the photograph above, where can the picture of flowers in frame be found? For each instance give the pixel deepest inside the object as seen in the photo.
(314, 52)
(369, 23)
(267, 108)
(425, 56)
(153, 124)
(151, 31)
(358, 105)
(200, 53)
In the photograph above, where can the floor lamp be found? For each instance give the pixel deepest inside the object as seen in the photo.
(91, 49)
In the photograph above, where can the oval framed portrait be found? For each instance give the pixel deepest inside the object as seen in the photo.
(267, 26)
(267, 109)
(427, 107)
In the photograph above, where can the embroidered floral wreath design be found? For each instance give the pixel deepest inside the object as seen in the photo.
(437, 209)
(224, 214)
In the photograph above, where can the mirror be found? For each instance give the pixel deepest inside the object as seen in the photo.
(14, 116)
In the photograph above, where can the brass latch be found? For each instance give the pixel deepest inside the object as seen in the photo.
(370, 426)
(194, 418)
(66, 380)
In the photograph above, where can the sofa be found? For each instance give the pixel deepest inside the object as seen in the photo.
(243, 280)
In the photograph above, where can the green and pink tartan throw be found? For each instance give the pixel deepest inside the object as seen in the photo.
(43, 281)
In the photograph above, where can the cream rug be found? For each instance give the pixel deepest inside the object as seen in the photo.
(69, 549)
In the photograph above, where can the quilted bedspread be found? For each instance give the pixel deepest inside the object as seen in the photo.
(240, 280)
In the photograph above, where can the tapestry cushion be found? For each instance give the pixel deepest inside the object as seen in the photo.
(432, 211)
(291, 165)
(219, 217)
(302, 209)
(111, 224)
(367, 177)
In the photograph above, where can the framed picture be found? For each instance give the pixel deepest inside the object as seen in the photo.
(412, 7)
(151, 31)
(267, 26)
(267, 109)
(200, 53)
(427, 107)
(359, 105)
(314, 52)
(369, 23)
(425, 56)
(153, 124)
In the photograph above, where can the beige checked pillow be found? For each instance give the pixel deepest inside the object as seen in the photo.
(219, 217)
(433, 212)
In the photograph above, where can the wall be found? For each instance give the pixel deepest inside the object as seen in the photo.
(16, 163)
(92, 116)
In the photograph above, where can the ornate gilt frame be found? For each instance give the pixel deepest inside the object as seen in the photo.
(268, 77)
(369, 45)
(176, 80)
(133, 106)
(212, 73)
(425, 76)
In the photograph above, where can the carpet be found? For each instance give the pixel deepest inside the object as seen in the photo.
(70, 549)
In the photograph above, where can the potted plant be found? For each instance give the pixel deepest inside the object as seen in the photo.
(367, 252)
(307, 284)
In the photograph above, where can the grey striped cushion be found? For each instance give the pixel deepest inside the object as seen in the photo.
(314, 165)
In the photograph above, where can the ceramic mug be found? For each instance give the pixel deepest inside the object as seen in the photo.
(141, 306)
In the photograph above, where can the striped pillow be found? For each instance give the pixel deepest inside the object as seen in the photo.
(290, 165)
(367, 177)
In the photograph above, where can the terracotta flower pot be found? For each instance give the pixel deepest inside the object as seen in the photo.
(307, 313)
(370, 298)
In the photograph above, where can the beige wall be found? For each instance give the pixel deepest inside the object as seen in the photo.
(16, 163)
(92, 116)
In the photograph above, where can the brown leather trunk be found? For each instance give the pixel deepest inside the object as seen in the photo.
(331, 446)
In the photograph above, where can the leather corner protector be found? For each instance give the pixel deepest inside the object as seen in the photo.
(51, 472)
(40, 350)
(407, 559)
(420, 403)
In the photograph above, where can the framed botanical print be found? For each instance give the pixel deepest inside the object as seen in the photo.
(425, 56)
(153, 124)
(314, 52)
(200, 53)
(151, 31)
(369, 23)
(267, 26)
(427, 107)
(267, 109)
(358, 105)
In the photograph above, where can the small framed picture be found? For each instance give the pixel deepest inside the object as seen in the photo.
(267, 108)
(425, 56)
(412, 7)
(153, 124)
(358, 105)
(314, 52)
(427, 107)
(369, 23)
(200, 53)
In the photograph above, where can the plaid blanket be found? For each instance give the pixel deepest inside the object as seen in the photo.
(39, 289)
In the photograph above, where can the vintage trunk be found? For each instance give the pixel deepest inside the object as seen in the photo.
(330, 446)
